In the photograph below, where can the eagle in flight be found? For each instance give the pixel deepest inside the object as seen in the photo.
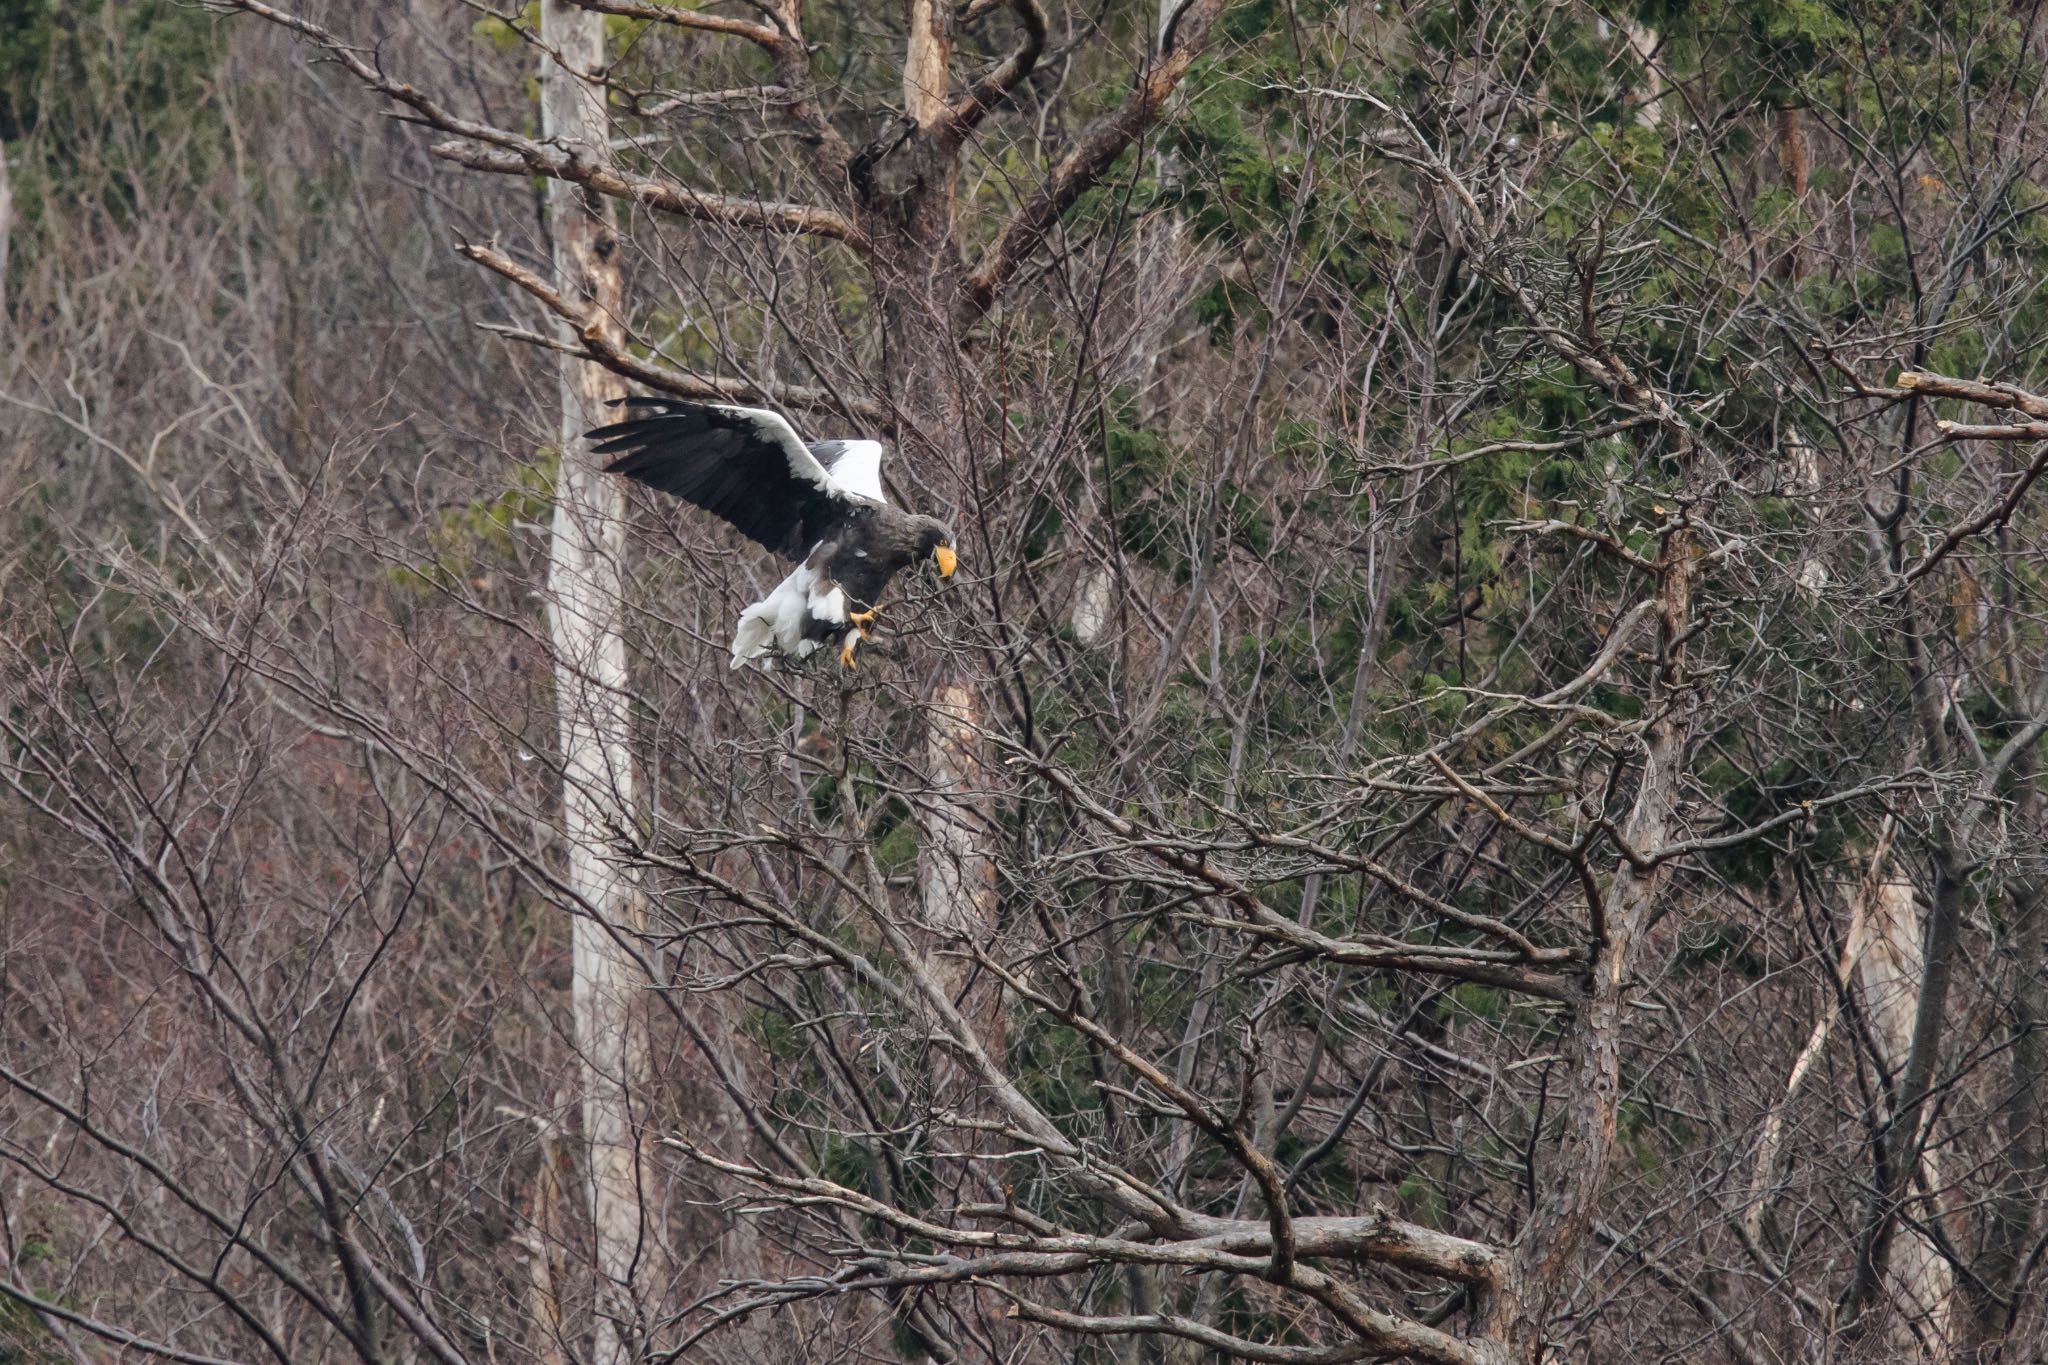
(817, 502)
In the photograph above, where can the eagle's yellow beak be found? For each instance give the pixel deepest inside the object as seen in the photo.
(948, 561)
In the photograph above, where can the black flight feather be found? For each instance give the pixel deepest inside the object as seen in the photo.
(744, 465)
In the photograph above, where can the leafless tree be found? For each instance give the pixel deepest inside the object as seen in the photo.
(1479, 799)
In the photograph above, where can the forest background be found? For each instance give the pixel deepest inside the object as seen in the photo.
(1479, 797)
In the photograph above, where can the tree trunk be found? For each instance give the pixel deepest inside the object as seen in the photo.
(1889, 975)
(957, 878)
(585, 584)
(1792, 163)
(6, 229)
(956, 904)
(1912, 993)
(928, 62)
(1569, 1196)
(543, 1238)
(1792, 149)
(1864, 909)
(2014, 1218)
(1642, 40)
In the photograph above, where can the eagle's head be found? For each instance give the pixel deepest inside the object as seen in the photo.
(935, 542)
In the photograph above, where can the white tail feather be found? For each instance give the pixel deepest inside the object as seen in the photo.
(775, 624)
(751, 640)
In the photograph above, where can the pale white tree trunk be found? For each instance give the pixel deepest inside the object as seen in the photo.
(1161, 251)
(585, 582)
(956, 876)
(1091, 607)
(1642, 40)
(1920, 1281)
(1165, 275)
(956, 895)
(543, 1291)
(927, 61)
(1882, 962)
(1855, 940)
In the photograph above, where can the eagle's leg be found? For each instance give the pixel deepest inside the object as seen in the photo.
(864, 620)
(846, 649)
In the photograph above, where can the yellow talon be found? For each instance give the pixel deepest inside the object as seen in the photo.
(846, 653)
(863, 620)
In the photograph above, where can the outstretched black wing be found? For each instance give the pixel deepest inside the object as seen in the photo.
(744, 465)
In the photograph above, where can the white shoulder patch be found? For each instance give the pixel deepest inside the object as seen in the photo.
(859, 469)
(769, 427)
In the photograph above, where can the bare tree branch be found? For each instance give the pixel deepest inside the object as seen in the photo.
(595, 334)
(764, 215)
(509, 153)
(1093, 153)
(996, 84)
(759, 34)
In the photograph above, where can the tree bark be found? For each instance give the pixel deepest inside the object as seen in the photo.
(1792, 149)
(928, 62)
(956, 915)
(1891, 972)
(6, 229)
(956, 876)
(1568, 1199)
(585, 597)
(1642, 41)
(543, 1289)
(2018, 1201)
(1864, 908)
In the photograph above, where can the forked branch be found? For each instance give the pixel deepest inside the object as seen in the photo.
(760, 34)
(1097, 150)
(996, 84)
(2000, 397)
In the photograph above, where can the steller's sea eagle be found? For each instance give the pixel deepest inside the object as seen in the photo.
(818, 502)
